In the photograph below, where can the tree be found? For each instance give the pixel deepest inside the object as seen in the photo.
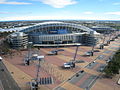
(114, 65)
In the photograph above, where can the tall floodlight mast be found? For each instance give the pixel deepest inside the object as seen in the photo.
(93, 44)
(29, 49)
(102, 45)
(27, 60)
(58, 41)
(73, 62)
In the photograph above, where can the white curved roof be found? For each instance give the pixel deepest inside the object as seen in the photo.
(49, 22)
(59, 22)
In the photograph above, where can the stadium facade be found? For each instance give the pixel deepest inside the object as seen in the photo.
(54, 33)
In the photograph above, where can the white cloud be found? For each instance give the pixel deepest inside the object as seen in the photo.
(88, 12)
(18, 13)
(57, 18)
(112, 13)
(117, 3)
(4, 12)
(58, 3)
(12, 2)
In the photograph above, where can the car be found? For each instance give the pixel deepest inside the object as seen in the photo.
(54, 52)
(0, 58)
(94, 61)
(101, 46)
(60, 50)
(118, 82)
(108, 60)
(2, 69)
(69, 65)
(112, 39)
(89, 53)
(82, 71)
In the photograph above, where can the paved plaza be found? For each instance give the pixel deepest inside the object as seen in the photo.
(65, 79)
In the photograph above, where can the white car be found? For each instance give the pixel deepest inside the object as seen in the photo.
(88, 53)
(69, 65)
(0, 58)
(52, 52)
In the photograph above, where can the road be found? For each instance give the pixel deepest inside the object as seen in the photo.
(6, 79)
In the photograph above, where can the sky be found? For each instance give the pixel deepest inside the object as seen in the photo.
(11, 10)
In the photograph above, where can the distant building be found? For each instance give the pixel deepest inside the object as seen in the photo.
(103, 29)
(54, 33)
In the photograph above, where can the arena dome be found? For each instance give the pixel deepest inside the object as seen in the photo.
(54, 33)
(49, 33)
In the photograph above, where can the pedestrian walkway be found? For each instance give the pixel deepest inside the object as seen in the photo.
(20, 77)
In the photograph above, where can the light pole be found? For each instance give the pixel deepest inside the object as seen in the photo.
(92, 52)
(29, 49)
(27, 60)
(36, 82)
(102, 45)
(58, 41)
(73, 62)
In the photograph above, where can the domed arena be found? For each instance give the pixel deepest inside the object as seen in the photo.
(54, 33)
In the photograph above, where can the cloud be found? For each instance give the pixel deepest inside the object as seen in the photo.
(4, 12)
(112, 13)
(57, 18)
(88, 12)
(58, 3)
(117, 3)
(17, 13)
(14, 3)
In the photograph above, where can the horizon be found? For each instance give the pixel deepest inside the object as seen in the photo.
(61, 20)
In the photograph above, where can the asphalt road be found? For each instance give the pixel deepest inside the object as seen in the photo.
(8, 82)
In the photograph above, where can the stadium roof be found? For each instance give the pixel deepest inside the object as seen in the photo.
(58, 22)
(13, 29)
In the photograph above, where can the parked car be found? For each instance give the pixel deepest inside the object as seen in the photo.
(60, 50)
(69, 65)
(54, 52)
(89, 53)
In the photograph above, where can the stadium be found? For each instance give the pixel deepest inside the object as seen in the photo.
(53, 33)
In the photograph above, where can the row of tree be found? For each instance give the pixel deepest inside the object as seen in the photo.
(113, 66)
